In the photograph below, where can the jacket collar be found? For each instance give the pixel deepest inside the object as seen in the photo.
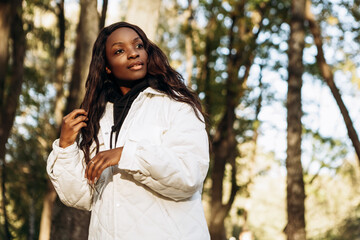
(107, 121)
(153, 91)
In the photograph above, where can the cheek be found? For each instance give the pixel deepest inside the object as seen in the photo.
(116, 66)
(147, 60)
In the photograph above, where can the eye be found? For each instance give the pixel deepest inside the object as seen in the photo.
(139, 45)
(119, 51)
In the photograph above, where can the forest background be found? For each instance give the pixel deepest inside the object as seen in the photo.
(279, 80)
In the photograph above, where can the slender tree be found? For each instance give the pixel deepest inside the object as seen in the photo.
(86, 35)
(212, 40)
(5, 23)
(60, 62)
(103, 14)
(328, 76)
(189, 53)
(242, 39)
(70, 223)
(295, 229)
(50, 196)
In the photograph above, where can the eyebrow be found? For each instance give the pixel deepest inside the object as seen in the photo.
(119, 43)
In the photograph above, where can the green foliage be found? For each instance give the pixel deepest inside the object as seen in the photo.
(26, 182)
(348, 230)
(326, 153)
(336, 201)
(28, 145)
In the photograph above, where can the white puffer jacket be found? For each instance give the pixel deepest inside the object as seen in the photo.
(155, 190)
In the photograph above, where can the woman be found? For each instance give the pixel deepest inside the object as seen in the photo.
(142, 153)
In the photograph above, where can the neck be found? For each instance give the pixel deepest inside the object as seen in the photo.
(124, 90)
(126, 85)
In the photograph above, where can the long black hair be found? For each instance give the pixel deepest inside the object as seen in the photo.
(165, 79)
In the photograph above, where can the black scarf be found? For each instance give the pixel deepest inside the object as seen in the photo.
(122, 104)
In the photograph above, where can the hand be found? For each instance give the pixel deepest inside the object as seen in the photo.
(100, 162)
(71, 125)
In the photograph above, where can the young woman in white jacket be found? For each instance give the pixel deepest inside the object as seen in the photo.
(136, 152)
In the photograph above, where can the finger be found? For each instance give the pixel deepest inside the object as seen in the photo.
(76, 112)
(105, 159)
(89, 168)
(93, 165)
(96, 171)
(76, 121)
(70, 122)
(79, 126)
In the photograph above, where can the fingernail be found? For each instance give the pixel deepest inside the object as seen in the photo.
(95, 180)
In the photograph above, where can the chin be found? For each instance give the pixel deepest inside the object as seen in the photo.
(129, 83)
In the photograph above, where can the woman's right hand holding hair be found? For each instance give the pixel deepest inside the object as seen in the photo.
(71, 126)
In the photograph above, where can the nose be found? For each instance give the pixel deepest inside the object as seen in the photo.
(133, 53)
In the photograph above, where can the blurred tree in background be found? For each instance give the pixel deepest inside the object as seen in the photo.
(236, 55)
(295, 201)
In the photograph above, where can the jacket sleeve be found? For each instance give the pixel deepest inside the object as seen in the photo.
(66, 171)
(173, 162)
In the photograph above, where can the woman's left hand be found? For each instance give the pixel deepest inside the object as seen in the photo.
(100, 162)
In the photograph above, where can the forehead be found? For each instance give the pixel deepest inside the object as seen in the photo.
(122, 35)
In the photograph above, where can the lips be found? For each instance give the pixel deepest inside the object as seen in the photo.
(136, 65)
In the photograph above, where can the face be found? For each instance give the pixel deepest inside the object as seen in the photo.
(125, 54)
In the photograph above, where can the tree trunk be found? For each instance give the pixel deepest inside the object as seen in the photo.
(50, 196)
(188, 43)
(86, 35)
(224, 151)
(71, 223)
(5, 23)
(205, 75)
(60, 66)
(224, 142)
(10, 90)
(225, 147)
(295, 229)
(103, 14)
(46, 214)
(329, 78)
(145, 14)
(32, 219)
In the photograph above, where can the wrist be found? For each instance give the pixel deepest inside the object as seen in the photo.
(64, 144)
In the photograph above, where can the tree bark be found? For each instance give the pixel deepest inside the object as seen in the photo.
(224, 142)
(60, 66)
(50, 196)
(32, 219)
(86, 35)
(10, 90)
(188, 43)
(295, 229)
(46, 214)
(205, 75)
(145, 14)
(5, 24)
(329, 78)
(71, 223)
(103, 14)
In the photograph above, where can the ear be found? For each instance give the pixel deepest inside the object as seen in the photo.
(108, 71)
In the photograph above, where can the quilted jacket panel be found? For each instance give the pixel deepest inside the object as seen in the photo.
(155, 190)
